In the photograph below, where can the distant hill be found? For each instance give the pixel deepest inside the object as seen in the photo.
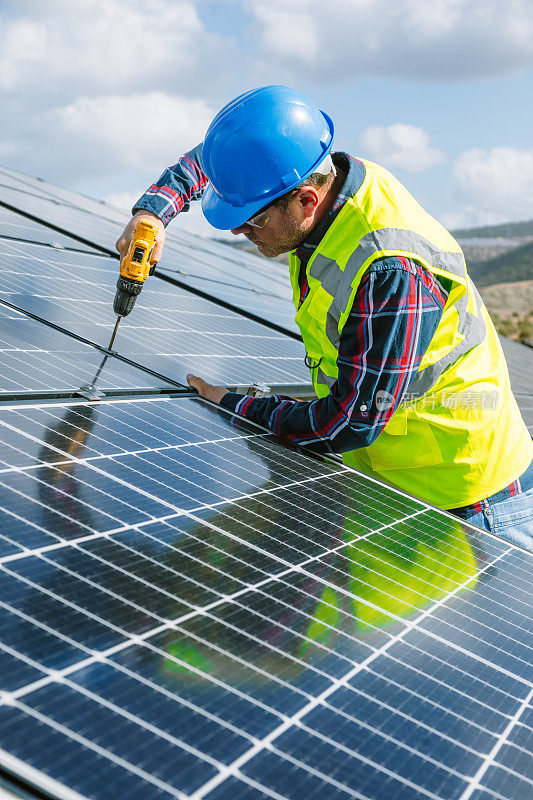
(513, 265)
(508, 230)
(486, 265)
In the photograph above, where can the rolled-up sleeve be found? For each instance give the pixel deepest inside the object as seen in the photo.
(177, 187)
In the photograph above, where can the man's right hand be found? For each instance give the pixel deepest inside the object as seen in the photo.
(124, 240)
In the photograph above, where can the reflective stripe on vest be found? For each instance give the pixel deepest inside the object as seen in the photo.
(339, 284)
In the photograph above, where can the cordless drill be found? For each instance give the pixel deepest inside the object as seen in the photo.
(135, 268)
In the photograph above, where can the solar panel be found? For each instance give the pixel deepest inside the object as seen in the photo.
(169, 331)
(229, 275)
(15, 226)
(192, 609)
(519, 359)
(35, 358)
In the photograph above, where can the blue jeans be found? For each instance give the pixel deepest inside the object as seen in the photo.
(512, 518)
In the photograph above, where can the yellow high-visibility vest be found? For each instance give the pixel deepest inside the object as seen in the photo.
(457, 436)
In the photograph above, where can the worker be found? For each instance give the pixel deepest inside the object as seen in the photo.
(411, 382)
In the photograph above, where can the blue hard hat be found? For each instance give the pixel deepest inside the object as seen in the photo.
(261, 145)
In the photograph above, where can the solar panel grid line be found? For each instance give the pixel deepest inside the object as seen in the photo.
(442, 639)
(88, 505)
(150, 495)
(162, 449)
(397, 582)
(133, 639)
(359, 721)
(415, 693)
(405, 715)
(58, 228)
(100, 656)
(327, 778)
(59, 364)
(52, 246)
(43, 505)
(411, 667)
(337, 683)
(476, 781)
(28, 551)
(274, 368)
(243, 306)
(91, 745)
(370, 762)
(398, 742)
(37, 778)
(85, 579)
(54, 674)
(279, 576)
(142, 723)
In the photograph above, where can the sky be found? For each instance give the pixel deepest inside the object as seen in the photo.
(100, 96)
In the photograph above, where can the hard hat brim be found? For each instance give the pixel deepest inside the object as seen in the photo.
(222, 215)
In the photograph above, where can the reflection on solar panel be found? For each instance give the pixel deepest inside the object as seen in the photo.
(192, 609)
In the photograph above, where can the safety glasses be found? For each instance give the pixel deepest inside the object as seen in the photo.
(260, 219)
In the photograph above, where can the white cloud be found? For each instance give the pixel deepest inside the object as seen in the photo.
(421, 39)
(495, 185)
(400, 146)
(103, 47)
(284, 29)
(140, 132)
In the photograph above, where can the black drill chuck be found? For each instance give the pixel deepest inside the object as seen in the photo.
(126, 295)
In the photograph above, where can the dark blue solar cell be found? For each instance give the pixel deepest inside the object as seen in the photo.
(424, 661)
(162, 708)
(14, 672)
(16, 226)
(401, 747)
(75, 590)
(507, 784)
(293, 781)
(206, 555)
(38, 643)
(7, 548)
(183, 669)
(68, 502)
(28, 597)
(143, 594)
(427, 738)
(236, 790)
(522, 735)
(517, 759)
(75, 764)
(366, 774)
(124, 738)
(269, 678)
(378, 698)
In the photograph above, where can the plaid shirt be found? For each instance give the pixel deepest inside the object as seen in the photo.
(395, 313)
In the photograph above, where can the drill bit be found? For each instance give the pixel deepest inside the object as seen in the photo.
(114, 333)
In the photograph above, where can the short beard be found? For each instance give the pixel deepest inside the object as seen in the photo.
(291, 235)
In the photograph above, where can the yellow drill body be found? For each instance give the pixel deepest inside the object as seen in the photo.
(135, 268)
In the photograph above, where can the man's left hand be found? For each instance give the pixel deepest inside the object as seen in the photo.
(207, 390)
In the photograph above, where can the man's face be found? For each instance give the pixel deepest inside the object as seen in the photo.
(285, 230)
